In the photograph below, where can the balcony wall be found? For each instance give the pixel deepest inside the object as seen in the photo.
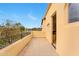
(16, 47)
(38, 34)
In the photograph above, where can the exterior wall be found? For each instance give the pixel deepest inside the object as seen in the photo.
(67, 42)
(16, 47)
(71, 40)
(62, 15)
(44, 27)
(38, 34)
(68, 39)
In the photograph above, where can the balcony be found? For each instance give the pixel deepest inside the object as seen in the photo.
(34, 44)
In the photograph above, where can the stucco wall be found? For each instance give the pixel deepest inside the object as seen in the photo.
(67, 33)
(61, 31)
(48, 28)
(16, 47)
(71, 40)
(44, 26)
(38, 34)
(67, 42)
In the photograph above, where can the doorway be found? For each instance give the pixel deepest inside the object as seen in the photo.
(54, 30)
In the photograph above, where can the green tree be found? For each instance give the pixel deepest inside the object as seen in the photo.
(11, 31)
(8, 23)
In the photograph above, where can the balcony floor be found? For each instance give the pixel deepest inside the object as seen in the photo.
(38, 47)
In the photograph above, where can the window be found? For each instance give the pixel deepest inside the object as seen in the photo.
(73, 12)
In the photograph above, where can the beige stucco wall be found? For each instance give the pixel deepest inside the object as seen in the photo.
(38, 34)
(67, 42)
(16, 47)
(44, 26)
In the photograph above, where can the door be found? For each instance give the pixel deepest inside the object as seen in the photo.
(54, 30)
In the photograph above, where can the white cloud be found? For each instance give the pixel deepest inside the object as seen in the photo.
(30, 16)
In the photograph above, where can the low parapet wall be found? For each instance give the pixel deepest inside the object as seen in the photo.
(38, 34)
(16, 47)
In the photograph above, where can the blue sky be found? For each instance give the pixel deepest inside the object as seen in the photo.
(28, 14)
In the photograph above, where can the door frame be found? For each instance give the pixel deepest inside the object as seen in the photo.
(54, 14)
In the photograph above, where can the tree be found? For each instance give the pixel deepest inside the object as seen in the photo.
(8, 23)
(22, 29)
(11, 31)
(38, 29)
(17, 25)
